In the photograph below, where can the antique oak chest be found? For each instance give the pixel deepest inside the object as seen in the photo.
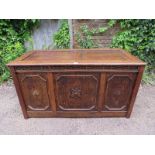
(77, 83)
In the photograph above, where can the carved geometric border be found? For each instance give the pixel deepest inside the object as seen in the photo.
(29, 76)
(76, 109)
(113, 76)
(44, 80)
(60, 76)
(109, 79)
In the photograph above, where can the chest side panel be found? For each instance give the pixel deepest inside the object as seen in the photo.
(118, 91)
(35, 91)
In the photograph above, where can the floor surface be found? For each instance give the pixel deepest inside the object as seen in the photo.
(142, 120)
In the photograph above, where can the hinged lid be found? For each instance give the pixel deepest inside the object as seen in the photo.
(77, 57)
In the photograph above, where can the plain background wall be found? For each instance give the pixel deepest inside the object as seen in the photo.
(42, 36)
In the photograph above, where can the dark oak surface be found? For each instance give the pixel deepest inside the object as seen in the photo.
(77, 91)
(35, 91)
(77, 83)
(77, 57)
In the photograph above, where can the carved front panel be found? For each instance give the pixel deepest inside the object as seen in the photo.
(35, 91)
(76, 91)
(118, 91)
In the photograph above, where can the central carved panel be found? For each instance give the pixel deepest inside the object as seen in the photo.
(76, 92)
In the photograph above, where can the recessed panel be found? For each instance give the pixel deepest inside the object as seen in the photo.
(76, 91)
(35, 91)
(118, 91)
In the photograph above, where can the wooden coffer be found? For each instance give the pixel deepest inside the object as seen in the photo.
(77, 83)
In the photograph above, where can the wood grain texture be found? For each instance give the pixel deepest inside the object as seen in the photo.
(76, 91)
(52, 91)
(101, 93)
(78, 114)
(77, 56)
(118, 91)
(35, 91)
(135, 90)
(19, 92)
(77, 83)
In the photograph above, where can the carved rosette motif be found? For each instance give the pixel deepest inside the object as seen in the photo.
(76, 92)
